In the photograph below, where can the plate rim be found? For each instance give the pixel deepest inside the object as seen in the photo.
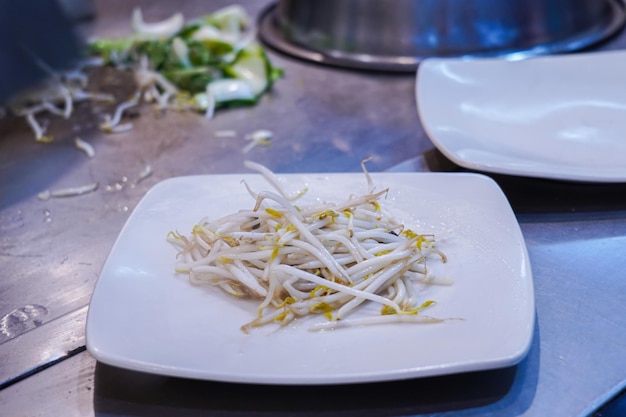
(421, 79)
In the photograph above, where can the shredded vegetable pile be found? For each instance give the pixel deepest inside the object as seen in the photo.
(203, 64)
(328, 259)
(206, 63)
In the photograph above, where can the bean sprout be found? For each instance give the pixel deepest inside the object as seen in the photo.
(258, 137)
(86, 147)
(328, 259)
(56, 96)
(273, 180)
(37, 128)
(68, 192)
(144, 173)
(112, 124)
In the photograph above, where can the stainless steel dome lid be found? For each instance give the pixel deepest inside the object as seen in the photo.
(398, 34)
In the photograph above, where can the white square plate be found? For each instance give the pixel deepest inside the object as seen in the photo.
(145, 317)
(558, 117)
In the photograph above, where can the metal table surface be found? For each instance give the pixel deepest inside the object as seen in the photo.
(324, 119)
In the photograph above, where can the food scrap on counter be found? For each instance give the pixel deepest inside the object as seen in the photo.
(203, 64)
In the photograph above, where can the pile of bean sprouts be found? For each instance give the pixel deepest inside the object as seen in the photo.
(327, 259)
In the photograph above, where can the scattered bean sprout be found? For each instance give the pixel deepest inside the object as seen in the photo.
(37, 128)
(56, 96)
(68, 192)
(273, 180)
(85, 147)
(144, 173)
(327, 259)
(257, 138)
(209, 62)
(112, 124)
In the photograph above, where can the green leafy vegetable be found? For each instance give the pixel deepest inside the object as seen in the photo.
(211, 49)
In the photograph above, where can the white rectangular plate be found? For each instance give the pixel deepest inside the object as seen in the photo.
(558, 117)
(145, 317)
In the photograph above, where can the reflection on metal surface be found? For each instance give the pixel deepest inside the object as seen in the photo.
(124, 392)
(22, 319)
(36, 351)
(372, 34)
(534, 195)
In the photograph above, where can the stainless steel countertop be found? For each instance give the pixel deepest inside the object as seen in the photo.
(324, 119)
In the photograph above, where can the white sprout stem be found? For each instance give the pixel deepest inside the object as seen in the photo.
(68, 192)
(69, 102)
(374, 284)
(430, 279)
(321, 251)
(144, 173)
(80, 95)
(85, 147)
(379, 261)
(77, 75)
(95, 61)
(53, 109)
(35, 126)
(327, 260)
(120, 109)
(274, 282)
(360, 200)
(242, 274)
(121, 128)
(285, 204)
(256, 138)
(210, 108)
(370, 183)
(165, 84)
(372, 320)
(210, 273)
(273, 179)
(346, 289)
(254, 143)
(356, 251)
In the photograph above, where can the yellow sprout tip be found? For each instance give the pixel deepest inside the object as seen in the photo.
(45, 139)
(273, 212)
